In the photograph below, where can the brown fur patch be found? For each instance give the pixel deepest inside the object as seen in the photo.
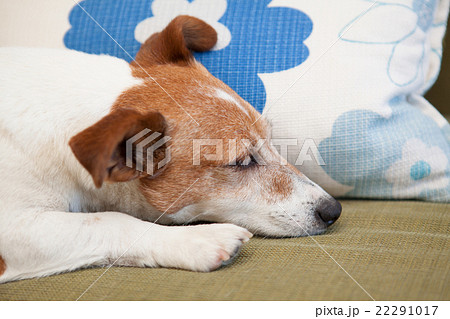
(185, 93)
(192, 93)
(101, 147)
(2, 266)
(173, 44)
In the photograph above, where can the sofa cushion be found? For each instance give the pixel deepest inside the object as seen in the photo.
(394, 250)
(342, 81)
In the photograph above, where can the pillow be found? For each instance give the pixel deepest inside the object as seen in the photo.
(341, 81)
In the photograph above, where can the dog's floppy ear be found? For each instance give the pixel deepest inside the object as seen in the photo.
(173, 44)
(108, 149)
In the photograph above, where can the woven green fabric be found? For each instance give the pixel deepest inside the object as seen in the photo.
(395, 250)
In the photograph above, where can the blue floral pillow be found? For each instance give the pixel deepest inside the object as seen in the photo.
(347, 75)
(341, 81)
(253, 38)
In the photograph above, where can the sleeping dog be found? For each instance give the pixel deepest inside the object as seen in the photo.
(75, 192)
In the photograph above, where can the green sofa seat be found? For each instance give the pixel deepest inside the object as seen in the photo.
(394, 250)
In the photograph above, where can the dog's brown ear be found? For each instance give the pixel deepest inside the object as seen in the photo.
(173, 44)
(122, 146)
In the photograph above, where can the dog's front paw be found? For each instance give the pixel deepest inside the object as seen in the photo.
(202, 247)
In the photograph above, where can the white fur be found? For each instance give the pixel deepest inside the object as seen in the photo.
(53, 219)
(227, 97)
(292, 216)
(46, 97)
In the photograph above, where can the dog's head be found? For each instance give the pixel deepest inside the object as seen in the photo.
(222, 166)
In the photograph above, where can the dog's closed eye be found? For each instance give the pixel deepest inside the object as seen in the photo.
(244, 162)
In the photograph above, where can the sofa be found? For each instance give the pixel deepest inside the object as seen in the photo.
(385, 250)
(377, 250)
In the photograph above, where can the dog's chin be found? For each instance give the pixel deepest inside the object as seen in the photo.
(289, 231)
(290, 227)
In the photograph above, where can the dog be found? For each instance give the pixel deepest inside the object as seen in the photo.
(70, 197)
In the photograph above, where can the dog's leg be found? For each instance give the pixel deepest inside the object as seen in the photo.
(45, 243)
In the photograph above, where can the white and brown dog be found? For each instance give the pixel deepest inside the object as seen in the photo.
(65, 119)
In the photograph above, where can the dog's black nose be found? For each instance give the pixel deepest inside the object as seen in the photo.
(329, 211)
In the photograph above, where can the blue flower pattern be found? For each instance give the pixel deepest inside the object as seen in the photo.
(423, 12)
(264, 39)
(420, 170)
(364, 145)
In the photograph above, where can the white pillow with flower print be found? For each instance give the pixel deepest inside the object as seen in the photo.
(359, 97)
(344, 78)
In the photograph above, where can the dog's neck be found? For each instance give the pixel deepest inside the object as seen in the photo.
(122, 197)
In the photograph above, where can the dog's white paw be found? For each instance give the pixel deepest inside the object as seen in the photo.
(202, 247)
